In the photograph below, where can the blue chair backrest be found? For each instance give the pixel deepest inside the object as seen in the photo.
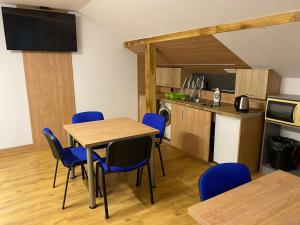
(90, 116)
(129, 152)
(156, 121)
(54, 144)
(221, 178)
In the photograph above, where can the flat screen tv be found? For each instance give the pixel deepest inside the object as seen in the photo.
(37, 30)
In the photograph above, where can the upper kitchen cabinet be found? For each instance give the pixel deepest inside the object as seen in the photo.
(170, 77)
(257, 83)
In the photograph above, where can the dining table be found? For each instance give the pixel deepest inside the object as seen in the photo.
(273, 199)
(96, 133)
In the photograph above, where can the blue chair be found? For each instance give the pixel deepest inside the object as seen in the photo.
(158, 122)
(70, 157)
(88, 116)
(125, 156)
(221, 178)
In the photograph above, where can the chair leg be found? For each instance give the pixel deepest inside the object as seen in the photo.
(55, 173)
(105, 194)
(138, 177)
(141, 175)
(98, 191)
(161, 161)
(83, 172)
(150, 182)
(66, 188)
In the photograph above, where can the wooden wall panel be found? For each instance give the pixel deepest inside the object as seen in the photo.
(141, 73)
(49, 82)
(251, 135)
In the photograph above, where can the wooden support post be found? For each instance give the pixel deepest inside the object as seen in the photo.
(150, 76)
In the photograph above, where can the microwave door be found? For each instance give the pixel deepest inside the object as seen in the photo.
(281, 111)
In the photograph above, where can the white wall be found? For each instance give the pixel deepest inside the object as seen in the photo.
(105, 73)
(290, 86)
(14, 114)
(105, 79)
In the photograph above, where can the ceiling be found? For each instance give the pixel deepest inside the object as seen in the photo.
(275, 47)
(200, 54)
(73, 5)
(134, 19)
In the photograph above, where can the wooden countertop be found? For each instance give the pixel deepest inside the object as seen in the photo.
(224, 108)
(271, 199)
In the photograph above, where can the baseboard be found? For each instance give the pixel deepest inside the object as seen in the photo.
(16, 149)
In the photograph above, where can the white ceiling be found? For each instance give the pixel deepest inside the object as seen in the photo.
(73, 5)
(133, 19)
(274, 47)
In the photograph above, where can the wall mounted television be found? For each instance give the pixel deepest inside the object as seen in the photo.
(37, 30)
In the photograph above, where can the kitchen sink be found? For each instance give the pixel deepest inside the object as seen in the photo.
(210, 104)
(197, 100)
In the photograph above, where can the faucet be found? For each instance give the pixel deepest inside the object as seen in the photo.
(202, 86)
(192, 95)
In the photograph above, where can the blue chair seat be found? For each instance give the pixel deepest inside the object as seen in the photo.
(75, 156)
(116, 169)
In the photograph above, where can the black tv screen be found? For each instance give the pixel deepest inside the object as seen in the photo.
(36, 30)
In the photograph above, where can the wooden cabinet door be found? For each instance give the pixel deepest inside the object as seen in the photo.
(170, 77)
(243, 82)
(142, 107)
(190, 131)
(196, 136)
(160, 76)
(259, 83)
(252, 82)
(177, 128)
(175, 79)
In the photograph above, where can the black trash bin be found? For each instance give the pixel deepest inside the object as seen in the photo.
(282, 149)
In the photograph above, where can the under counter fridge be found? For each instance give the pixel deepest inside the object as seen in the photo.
(226, 141)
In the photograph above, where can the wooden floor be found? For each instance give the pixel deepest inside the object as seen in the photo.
(27, 196)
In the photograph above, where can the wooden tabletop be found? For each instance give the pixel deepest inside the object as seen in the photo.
(271, 199)
(96, 133)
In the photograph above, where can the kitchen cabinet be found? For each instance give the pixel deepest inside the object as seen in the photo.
(170, 77)
(190, 130)
(142, 107)
(257, 83)
(238, 140)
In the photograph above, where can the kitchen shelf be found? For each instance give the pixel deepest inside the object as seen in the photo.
(273, 129)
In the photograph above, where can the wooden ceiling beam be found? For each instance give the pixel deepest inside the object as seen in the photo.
(277, 19)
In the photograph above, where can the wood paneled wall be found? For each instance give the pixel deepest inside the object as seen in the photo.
(141, 73)
(49, 82)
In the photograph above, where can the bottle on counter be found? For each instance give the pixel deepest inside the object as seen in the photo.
(217, 97)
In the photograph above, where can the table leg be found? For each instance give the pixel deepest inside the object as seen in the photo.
(91, 178)
(70, 144)
(152, 162)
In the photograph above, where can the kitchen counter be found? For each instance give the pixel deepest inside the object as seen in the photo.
(224, 108)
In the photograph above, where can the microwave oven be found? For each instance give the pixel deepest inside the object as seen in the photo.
(283, 109)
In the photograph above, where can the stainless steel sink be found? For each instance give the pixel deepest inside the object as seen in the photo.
(197, 100)
(210, 104)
